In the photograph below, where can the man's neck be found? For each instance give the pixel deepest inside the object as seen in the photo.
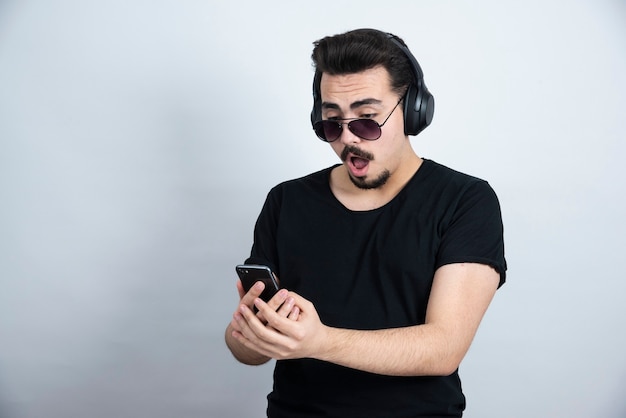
(358, 199)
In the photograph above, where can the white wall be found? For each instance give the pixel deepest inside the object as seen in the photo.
(138, 140)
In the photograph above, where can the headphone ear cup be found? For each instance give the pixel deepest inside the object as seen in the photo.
(411, 117)
(317, 105)
(429, 103)
(315, 114)
(419, 107)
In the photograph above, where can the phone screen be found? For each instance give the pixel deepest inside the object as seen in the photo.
(252, 273)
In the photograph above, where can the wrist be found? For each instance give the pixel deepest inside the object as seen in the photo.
(329, 343)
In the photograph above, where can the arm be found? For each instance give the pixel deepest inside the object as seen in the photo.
(459, 298)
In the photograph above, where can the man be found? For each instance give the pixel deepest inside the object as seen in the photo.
(387, 262)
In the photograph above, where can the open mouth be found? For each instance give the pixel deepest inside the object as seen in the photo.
(356, 160)
(359, 163)
(358, 166)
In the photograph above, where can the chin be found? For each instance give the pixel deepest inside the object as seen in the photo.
(377, 183)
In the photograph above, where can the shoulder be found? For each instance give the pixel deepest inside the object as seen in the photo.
(314, 181)
(440, 173)
(470, 220)
(446, 184)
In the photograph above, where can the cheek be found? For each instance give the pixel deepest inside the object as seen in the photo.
(386, 150)
(337, 146)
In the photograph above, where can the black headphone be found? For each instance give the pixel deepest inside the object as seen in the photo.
(419, 104)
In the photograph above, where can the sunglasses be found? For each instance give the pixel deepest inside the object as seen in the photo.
(329, 130)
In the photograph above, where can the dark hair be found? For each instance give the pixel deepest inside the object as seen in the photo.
(359, 50)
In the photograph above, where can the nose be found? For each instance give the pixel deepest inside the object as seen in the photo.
(347, 137)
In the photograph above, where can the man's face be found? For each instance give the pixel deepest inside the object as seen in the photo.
(368, 94)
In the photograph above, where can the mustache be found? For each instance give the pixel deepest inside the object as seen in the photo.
(358, 152)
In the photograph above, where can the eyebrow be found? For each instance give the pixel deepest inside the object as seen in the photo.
(354, 105)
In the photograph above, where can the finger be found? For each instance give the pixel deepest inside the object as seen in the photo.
(243, 320)
(282, 338)
(240, 289)
(253, 346)
(275, 321)
(294, 314)
(304, 304)
(286, 307)
(278, 299)
(256, 335)
(235, 322)
(254, 292)
(249, 297)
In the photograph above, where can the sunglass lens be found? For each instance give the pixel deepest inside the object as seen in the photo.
(327, 130)
(365, 128)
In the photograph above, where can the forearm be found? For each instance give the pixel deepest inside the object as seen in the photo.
(422, 350)
(459, 298)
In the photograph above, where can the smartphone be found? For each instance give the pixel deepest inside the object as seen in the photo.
(252, 273)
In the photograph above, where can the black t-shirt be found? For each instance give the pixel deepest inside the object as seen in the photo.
(373, 270)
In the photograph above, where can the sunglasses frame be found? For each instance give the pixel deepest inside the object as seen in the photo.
(340, 122)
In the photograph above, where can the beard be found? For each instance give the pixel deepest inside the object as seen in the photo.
(363, 182)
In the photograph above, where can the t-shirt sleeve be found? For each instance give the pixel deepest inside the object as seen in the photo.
(264, 249)
(474, 233)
